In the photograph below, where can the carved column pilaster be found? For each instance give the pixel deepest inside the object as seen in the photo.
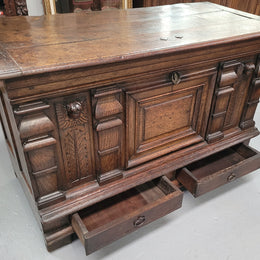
(108, 128)
(229, 77)
(39, 145)
(247, 119)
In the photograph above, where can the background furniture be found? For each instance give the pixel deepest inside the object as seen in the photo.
(96, 134)
(251, 6)
(15, 7)
(18, 7)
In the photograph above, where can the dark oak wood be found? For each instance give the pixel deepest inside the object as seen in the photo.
(218, 169)
(95, 105)
(115, 217)
(250, 6)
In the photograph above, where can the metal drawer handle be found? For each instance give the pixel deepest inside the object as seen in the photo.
(231, 177)
(175, 78)
(140, 221)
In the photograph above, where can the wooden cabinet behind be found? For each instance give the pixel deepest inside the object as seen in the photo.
(251, 6)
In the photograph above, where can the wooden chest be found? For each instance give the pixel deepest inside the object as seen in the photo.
(107, 114)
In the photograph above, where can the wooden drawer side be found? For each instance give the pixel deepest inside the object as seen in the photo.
(212, 172)
(113, 218)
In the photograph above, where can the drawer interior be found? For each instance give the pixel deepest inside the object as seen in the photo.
(111, 219)
(220, 168)
(220, 161)
(124, 204)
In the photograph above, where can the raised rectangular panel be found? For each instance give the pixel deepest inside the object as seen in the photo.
(42, 158)
(164, 117)
(108, 133)
(233, 81)
(158, 118)
(36, 129)
(252, 99)
(47, 183)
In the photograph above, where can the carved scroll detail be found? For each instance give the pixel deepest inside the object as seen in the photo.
(108, 120)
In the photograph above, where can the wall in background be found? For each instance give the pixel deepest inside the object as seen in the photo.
(35, 7)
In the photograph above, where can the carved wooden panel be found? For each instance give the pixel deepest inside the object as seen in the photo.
(159, 115)
(36, 133)
(231, 88)
(15, 7)
(108, 129)
(74, 126)
(252, 100)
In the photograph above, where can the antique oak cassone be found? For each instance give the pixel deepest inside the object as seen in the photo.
(106, 114)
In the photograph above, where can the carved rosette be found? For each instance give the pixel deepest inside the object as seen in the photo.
(108, 122)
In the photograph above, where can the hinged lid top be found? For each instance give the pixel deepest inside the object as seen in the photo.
(30, 45)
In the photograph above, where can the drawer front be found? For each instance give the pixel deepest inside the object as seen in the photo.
(95, 233)
(216, 170)
(163, 117)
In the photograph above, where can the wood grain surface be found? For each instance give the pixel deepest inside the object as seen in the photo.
(47, 43)
(94, 105)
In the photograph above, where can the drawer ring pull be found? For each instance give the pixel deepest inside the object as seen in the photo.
(231, 177)
(175, 78)
(140, 221)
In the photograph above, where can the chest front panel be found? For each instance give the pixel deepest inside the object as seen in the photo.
(163, 117)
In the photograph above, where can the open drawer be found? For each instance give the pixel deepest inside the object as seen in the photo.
(218, 169)
(109, 220)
